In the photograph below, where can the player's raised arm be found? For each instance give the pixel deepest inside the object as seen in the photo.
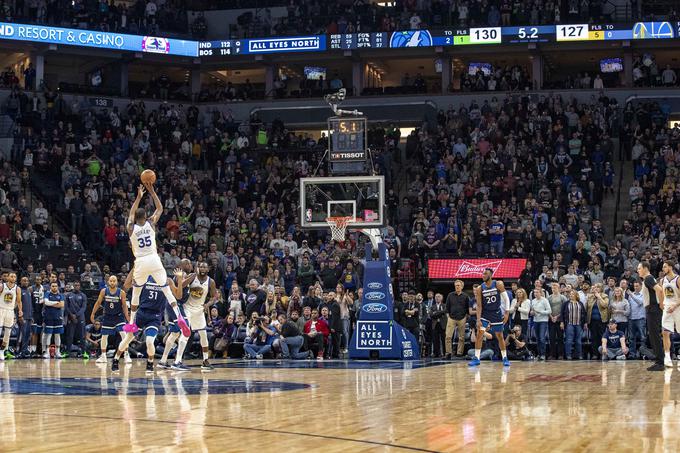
(157, 203)
(97, 304)
(133, 209)
(177, 289)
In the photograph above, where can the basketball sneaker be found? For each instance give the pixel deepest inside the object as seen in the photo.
(506, 362)
(127, 357)
(163, 365)
(101, 359)
(179, 366)
(206, 366)
(474, 362)
(668, 363)
(46, 355)
(149, 367)
(114, 365)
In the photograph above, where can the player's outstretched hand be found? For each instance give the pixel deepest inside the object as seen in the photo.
(149, 187)
(140, 191)
(178, 273)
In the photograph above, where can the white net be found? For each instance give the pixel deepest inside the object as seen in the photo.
(338, 226)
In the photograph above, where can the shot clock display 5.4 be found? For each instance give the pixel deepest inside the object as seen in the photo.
(347, 139)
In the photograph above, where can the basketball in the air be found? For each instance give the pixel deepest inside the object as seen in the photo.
(148, 177)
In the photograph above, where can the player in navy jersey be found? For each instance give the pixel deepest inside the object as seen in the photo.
(115, 316)
(54, 321)
(148, 313)
(37, 299)
(492, 314)
(174, 332)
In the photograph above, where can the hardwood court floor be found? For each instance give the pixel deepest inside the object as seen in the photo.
(75, 406)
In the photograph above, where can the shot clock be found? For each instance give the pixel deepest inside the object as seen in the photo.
(347, 139)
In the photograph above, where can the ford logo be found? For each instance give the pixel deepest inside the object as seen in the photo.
(374, 308)
(374, 285)
(374, 295)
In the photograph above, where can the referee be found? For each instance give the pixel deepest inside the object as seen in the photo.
(652, 293)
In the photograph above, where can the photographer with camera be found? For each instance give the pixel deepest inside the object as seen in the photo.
(262, 337)
(517, 346)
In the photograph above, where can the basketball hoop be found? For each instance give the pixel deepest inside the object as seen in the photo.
(338, 226)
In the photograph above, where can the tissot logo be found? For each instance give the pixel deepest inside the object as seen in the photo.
(467, 268)
(374, 285)
(375, 295)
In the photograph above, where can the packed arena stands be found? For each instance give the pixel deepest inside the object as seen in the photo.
(516, 176)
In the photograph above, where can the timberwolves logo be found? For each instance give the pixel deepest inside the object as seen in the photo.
(155, 45)
(411, 38)
(652, 30)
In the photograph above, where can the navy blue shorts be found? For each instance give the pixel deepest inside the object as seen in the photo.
(150, 323)
(36, 328)
(54, 325)
(112, 324)
(492, 327)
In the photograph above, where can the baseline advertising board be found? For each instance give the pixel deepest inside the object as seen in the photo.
(98, 39)
(450, 269)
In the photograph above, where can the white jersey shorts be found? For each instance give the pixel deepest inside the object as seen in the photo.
(7, 318)
(196, 317)
(671, 321)
(149, 266)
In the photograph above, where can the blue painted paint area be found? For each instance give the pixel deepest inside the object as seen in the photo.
(141, 386)
(335, 364)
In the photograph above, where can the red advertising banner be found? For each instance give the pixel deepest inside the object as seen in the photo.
(450, 269)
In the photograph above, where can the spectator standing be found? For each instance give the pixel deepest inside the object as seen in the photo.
(619, 308)
(456, 307)
(636, 324)
(597, 315)
(556, 300)
(573, 322)
(541, 311)
(439, 316)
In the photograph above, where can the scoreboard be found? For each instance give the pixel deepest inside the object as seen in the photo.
(223, 48)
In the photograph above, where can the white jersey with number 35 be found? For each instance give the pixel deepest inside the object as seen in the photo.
(143, 240)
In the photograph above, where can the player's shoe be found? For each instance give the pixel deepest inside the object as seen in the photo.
(668, 363)
(163, 365)
(183, 326)
(149, 367)
(58, 355)
(114, 365)
(179, 367)
(474, 362)
(206, 366)
(506, 362)
(46, 356)
(86, 356)
(127, 358)
(656, 367)
(102, 359)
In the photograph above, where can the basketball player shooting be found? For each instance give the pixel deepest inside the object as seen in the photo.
(148, 266)
(490, 316)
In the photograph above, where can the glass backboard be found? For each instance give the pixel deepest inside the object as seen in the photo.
(359, 197)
